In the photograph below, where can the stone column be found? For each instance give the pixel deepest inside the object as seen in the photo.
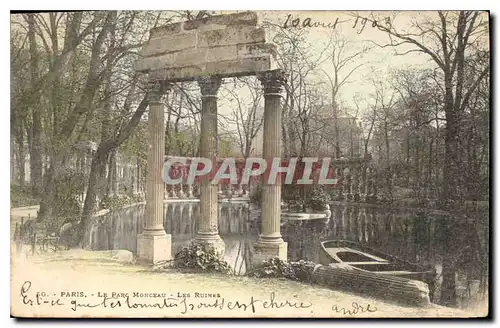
(208, 231)
(154, 244)
(270, 244)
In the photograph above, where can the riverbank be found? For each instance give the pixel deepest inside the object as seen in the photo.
(79, 283)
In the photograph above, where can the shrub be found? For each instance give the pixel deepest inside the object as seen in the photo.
(115, 202)
(23, 196)
(198, 258)
(68, 185)
(276, 268)
(293, 197)
(317, 199)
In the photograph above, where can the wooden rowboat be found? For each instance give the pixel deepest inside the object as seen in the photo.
(371, 260)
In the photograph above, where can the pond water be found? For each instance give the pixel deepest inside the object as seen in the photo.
(456, 248)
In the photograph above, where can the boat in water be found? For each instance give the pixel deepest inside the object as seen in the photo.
(370, 260)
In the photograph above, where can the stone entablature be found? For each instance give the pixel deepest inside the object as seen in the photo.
(223, 45)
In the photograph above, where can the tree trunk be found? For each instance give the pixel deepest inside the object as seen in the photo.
(98, 162)
(36, 151)
(20, 155)
(451, 160)
(112, 188)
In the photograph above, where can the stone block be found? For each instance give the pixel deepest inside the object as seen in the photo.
(248, 18)
(178, 73)
(252, 50)
(152, 249)
(166, 30)
(231, 35)
(264, 251)
(169, 43)
(240, 65)
(216, 54)
(153, 63)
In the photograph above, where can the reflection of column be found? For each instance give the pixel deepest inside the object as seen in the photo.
(364, 228)
(208, 232)
(154, 244)
(190, 215)
(270, 244)
(356, 224)
(181, 218)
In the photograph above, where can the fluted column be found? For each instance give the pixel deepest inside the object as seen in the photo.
(208, 232)
(270, 243)
(154, 244)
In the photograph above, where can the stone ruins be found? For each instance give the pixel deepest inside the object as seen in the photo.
(207, 50)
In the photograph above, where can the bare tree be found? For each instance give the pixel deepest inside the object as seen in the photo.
(446, 39)
(245, 96)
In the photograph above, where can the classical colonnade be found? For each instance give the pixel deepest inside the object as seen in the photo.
(154, 244)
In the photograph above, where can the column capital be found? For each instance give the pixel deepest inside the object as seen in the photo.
(209, 85)
(156, 89)
(272, 81)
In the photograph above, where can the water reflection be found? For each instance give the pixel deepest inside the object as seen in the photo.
(457, 248)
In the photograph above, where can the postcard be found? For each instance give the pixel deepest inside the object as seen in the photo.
(250, 164)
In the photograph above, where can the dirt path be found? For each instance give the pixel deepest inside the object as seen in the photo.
(84, 277)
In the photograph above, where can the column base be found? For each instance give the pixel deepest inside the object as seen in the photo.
(152, 249)
(210, 242)
(264, 250)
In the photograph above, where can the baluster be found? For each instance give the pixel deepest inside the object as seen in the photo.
(375, 182)
(355, 182)
(189, 190)
(349, 184)
(196, 191)
(339, 176)
(364, 177)
(180, 192)
(228, 192)
(369, 184)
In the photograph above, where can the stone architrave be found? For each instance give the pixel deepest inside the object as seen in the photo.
(221, 45)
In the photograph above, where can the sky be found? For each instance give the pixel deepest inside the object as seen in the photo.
(377, 62)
